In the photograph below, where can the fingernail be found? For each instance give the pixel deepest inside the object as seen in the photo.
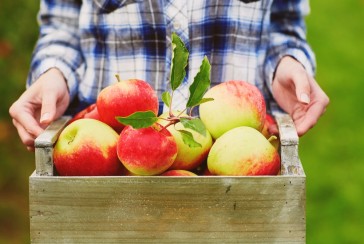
(45, 117)
(305, 98)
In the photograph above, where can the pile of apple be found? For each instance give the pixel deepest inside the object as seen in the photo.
(122, 134)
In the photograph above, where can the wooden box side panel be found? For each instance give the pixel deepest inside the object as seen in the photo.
(167, 210)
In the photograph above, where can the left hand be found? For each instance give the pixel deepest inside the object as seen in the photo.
(298, 93)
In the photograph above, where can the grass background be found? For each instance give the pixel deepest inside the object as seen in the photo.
(331, 152)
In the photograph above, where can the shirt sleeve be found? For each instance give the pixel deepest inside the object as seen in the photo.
(287, 36)
(59, 43)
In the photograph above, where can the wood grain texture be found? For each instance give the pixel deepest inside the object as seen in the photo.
(44, 146)
(290, 161)
(167, 209)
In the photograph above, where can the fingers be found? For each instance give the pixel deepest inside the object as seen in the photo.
(314, 110)
(49, 103)
(37, 106)
(26, 137)
(25, 117)
(310, 119)
(298, 94)
(302, 86)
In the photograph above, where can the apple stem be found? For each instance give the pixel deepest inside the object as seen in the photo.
(179, 115)
(272, 138)
(191, 111)
(118, 78)
(170, 105)
(172, 120)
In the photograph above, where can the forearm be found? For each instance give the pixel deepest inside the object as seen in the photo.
(58, 45)
(287, 37)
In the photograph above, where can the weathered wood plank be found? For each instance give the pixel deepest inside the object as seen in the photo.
(290, 161)
(167, 210)
(44, 146)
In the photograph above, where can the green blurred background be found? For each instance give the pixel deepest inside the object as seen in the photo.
(331, 152)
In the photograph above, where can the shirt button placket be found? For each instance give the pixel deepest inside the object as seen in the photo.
(178, 16)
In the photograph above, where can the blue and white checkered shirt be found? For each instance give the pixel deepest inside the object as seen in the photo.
(92, 40)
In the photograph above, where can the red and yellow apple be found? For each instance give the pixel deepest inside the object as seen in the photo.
(270, 122)
(236, 103)
(87, 147)
(125, 98)
(178, 172)
(188, 158)
(146, 151)
(243, 151)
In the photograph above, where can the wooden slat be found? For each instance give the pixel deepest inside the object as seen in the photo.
(44, 146)
(167, 209)
(290, 161)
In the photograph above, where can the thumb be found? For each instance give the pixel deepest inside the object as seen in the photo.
(48, 110)
(302, 86)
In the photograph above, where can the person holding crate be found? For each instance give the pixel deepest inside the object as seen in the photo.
(83, 44)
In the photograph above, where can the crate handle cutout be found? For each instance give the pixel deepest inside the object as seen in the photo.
(290, 162)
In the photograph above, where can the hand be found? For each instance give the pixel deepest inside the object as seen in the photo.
(297, 93)
(43, 102)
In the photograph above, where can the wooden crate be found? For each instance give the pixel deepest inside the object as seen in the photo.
(135, 209)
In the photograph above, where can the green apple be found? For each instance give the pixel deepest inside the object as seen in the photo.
(188, 158)
(243, 151)
(236, 103)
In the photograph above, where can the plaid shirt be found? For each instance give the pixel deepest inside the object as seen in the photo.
(92, 40)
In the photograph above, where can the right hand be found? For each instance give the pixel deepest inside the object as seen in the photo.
(43, 102)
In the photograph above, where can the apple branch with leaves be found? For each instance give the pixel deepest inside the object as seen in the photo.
(197, 89)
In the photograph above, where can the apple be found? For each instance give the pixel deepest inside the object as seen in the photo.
(207, 172)
(146, 151)
(125, 98)
(188, 158)
(269, 122)
(89, 112)
(87, 147)
(236, 103)
(243, 151)
(178, 172)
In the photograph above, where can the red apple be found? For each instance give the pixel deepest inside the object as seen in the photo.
(207, 172)
(87, 147)
(125, 98)
(176, 172)
(89, 112)
(270, 122)
(243, 151)
(188, 158)
(236, 103)
(146, 151)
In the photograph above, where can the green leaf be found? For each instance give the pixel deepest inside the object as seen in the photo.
(139, 119)
(204, 100)
(179, 61)
(188, 139)
(194, 124)
(166, 98)
(201, 84)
